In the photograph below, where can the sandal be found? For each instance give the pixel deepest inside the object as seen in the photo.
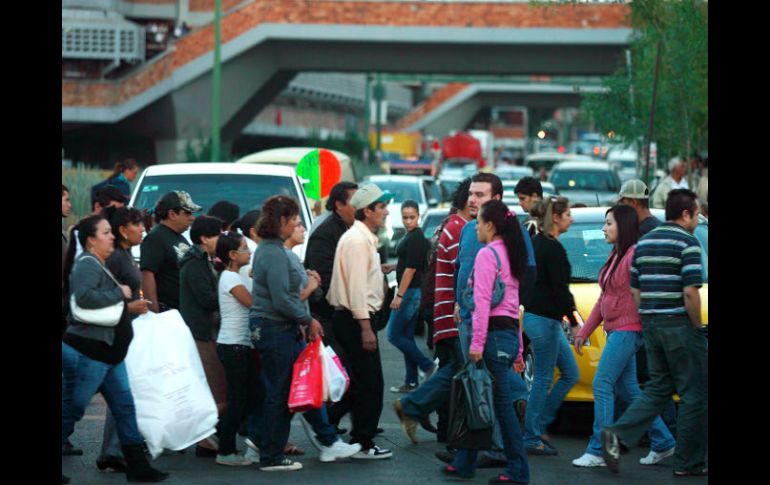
(692, 473)
(292, 449)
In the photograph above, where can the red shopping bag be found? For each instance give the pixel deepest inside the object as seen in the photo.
(307, 382)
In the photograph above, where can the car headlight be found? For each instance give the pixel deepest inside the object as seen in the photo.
(565, 326)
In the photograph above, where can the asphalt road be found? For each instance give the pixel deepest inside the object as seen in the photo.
(411, 464)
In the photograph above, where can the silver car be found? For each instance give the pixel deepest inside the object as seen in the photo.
(590, 183)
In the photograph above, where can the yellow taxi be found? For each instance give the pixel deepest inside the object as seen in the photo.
(587, 251)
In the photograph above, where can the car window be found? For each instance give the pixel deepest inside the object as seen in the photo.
(433, 190)
(401, 190)
(430, 224)
(584, 180)
(247, 191)
(586, 249)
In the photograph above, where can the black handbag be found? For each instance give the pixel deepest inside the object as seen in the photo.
(471, 408)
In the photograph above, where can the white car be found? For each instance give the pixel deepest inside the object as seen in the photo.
(246, 185)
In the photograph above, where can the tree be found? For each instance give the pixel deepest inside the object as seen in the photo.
(680, 29)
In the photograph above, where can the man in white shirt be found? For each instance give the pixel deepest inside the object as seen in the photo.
(675, 180)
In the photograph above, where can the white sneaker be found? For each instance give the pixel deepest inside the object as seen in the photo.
(310, 432)
(338, 449)
(251, 455)
(589, 460)
(250, 444)
(656, 457)
(373, 453)
(284, 466)
(233, 459)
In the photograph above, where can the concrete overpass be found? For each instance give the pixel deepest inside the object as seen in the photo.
(168, 100)
(459, 110)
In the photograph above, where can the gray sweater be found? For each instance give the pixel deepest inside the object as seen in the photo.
(277, 284)
(93, 288)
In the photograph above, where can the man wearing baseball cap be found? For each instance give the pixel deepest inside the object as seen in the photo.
(355, 293)
(164, 247)
(635, 193)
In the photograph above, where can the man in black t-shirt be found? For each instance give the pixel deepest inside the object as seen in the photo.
(163, 249)
(635, 193)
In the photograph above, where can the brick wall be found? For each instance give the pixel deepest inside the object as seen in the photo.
(434, 101)
(201, 41)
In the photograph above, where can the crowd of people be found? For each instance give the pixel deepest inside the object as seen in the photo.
(484, 282)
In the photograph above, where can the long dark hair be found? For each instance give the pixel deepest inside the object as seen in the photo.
(86, 228)
(120, 217)
(228, 241)
(507, 225)
(628, 234)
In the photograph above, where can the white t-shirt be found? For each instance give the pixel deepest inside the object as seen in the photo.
(234, 329)
(245, 271)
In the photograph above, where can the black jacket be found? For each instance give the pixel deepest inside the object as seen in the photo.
(319, 256)
(198, 298)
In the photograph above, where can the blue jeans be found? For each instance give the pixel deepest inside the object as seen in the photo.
(499, 353)
(82, 377)
(436, 390)
(110, 440)
(279, 345)
(401, 334)
(551, 349)
(616, 379)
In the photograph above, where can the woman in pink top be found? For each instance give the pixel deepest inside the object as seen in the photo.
(617, 368)
(496, 332)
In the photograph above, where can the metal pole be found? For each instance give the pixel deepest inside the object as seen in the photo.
(378, 100)
(216, 77)
(367, 112)
(652, 116)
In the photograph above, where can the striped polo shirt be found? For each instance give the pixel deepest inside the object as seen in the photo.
(666, 260)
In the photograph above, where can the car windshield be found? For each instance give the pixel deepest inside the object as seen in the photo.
(401, 190)
(247, 191)
(584, 180)
(430, 224)
(513, 173)
(587, 249)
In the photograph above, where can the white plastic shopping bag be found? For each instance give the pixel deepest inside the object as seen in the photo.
(174, 405)
(336, 380)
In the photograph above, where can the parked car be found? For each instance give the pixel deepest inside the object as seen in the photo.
(513, 172)
(432, 219)
(292, 155)
(546, 160)
(591, 183)
(246, 185)
(625, 159)
(403, 187)
(587, 251)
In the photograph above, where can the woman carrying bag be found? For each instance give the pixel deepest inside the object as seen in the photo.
(96, 342)
(616, 375)
(498, 268)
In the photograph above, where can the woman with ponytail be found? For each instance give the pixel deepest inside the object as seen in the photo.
(547, 303)
(617, 366)
(496, 332)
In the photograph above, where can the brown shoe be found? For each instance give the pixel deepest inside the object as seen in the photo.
(408, 425)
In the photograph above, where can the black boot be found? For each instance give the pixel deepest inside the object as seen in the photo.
(138, 468)
(115, 463)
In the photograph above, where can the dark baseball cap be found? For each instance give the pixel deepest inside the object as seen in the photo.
(178, 199)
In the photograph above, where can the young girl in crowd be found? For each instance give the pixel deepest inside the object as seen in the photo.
(128, 229)
(547, 302)
(495, 332)
(617, 366)
(234, 348)
(412, 252)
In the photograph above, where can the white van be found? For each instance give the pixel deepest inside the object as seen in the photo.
(292, 156)
(247, 186)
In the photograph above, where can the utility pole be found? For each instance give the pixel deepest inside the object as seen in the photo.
(216, 78)
(367, 114)
(652, 117)
(378, 99)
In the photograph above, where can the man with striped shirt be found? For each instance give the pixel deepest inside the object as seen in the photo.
(435, 392)
(665, 276)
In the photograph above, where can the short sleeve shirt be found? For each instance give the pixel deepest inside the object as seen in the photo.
(162, 250)
(234, 328)
(666, 260)
(412, 252)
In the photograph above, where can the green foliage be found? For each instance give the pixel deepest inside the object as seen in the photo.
(198, 150)
(79, 181)
(680, 28)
